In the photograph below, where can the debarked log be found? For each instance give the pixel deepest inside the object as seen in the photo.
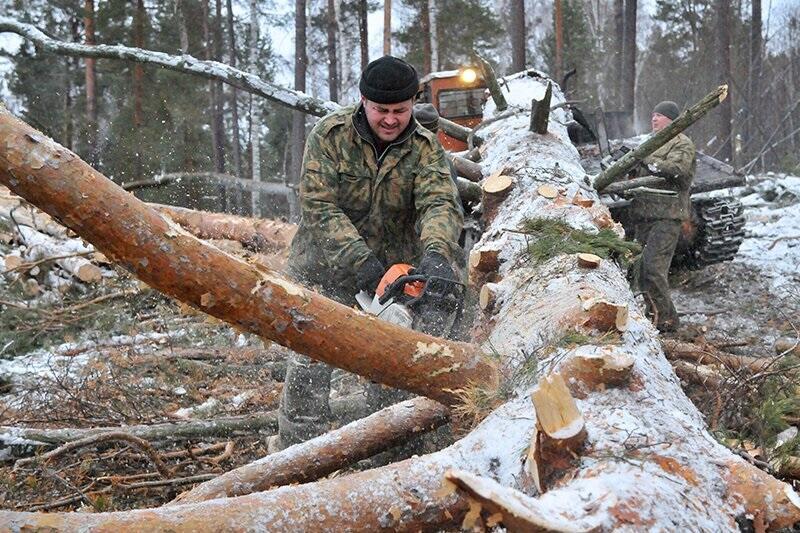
(253, 298)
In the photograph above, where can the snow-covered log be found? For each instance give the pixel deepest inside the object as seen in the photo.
(647, 462)
(185, 63)
(69, 251)
(16, 212)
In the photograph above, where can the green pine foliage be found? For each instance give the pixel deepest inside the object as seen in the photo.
(49, 92)
(551, 238)
(463, 25)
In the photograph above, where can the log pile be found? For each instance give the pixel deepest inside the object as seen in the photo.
(602, 433)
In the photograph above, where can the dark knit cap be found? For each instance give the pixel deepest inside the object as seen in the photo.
(427, 116)
(389, 80)
(667, 108)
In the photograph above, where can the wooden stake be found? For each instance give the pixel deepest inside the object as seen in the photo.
(490, 78)
(540, 111)
(559, 434)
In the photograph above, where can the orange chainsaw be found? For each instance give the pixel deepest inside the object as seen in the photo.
(425, 303)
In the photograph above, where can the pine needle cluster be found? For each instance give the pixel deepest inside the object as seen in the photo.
(555, 237)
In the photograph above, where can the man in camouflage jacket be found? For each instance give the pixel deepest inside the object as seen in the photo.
(658, 217)
(375, 190)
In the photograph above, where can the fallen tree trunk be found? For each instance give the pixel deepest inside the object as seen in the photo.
(256, 234)
(709, 355)
(647, 451)
(167, 431)
(316, 458)
(254, 298)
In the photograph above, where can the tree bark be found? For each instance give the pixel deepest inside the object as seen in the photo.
(425, 29)
(387, 27)
(518, 35)
(167, 431)
(298, 119)
(238, 199)
(253, 298)
(363, 32)
(754, 76)
(316, 458)
(629, 58)
(333, 63)
(255, 114)
(434, 34)
(725, 132)
(91, 83)
(618, 47)
(259, 235)
(558, 70)
(183, 29)
(138, 70)
(278, 189)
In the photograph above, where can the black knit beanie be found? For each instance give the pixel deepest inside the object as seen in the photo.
(667, 108)
(389, 80)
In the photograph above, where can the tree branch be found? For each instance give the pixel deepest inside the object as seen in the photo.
(212, 70)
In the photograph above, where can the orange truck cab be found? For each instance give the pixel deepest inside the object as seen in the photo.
(457, 95)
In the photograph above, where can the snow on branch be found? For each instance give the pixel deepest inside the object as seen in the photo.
(185, 63)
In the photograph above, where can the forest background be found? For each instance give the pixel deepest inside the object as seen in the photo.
(135, 122)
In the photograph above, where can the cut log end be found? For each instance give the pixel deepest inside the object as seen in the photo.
(547, 191)
(559, 435)
(604, 316)
(589, 260)
(484, 260)
(497, 184)
(488, 296)
(89, 273)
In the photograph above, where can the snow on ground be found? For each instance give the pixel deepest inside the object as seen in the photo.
(773, 231)
(754, 298)
(59, 363)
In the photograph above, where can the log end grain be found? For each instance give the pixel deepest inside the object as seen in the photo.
(484, 260)
(547, 191)
(589, 260)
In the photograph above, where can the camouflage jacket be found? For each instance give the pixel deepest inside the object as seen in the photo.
(676, 162)
(355, 201)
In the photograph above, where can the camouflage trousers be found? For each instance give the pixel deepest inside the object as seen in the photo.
(304, 411)
(650, 271)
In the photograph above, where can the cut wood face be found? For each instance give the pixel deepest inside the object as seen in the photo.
(547, 191)
(497, 184)
(589, 260)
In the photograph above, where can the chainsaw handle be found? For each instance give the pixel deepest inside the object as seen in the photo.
(398, 285)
